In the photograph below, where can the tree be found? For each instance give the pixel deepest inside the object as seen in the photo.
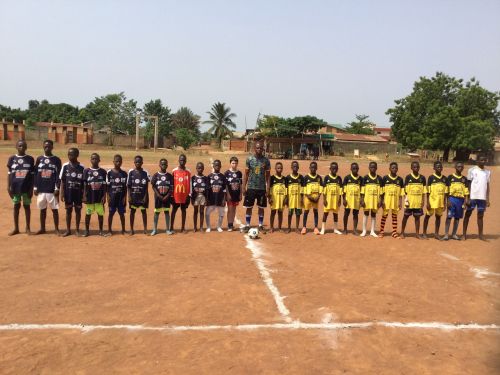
(276, 126)
(184, 118)
(443, 113)
(156, 108)
(361, 126)
(221, 120)
(185, 137)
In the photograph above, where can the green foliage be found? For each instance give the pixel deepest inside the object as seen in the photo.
(184, 118)
(11, 114)
(222, 123)
(206, 137)
(443, 113)
(156, 108)
(275, 126)
(185, 137)
(361, 126)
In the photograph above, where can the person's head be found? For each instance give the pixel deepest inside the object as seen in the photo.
(163, 164)
(73, 154)
(415, 167)
(182, 160)
(279, 168)
(313, 167)
(200, 167)
(334, 168)
(438, 167)
(354, 169)
(258, 149)
(295, 167)
(21, 147)
(459, 167)
(217, 166)
(48, 146)
(138, 161)
(234, 162)
(94, 160)
(481, 161)
(372, 167)
(393, 168)
(117, 161)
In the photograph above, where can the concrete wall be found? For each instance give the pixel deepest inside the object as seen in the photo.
(119, 140)
(347, 148)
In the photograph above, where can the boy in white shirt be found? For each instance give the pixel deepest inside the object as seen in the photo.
(479, 188)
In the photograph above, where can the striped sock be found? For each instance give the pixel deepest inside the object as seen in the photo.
(394, 225)
(382, 223)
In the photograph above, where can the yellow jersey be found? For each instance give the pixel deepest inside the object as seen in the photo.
(457, 186)
(352, 191)
(437, 189)
(277, 189)
(294, 191)
(371, 189)
(414, 190)
(312, 185)
(332, 190)
(393, 189)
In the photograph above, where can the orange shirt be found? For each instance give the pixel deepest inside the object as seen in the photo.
(182, 184)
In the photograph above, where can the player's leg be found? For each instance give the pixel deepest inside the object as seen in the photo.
(111, 214)
(231, 214)
(167, 221)
(271, 221)
(298, 212)
(144, 220)
(372, 223)
(304, 221)
(55, 217)
(323, 222)
(17, 208)
(347, 212)
(290, 215)
(437, 225)
(195, 217)
(468, 214)
(183, 217)
(365, 222)
(220, 219)
(208, 211)
(43, 219)
(122, 221)
(175, 207)
(355, 215)
(156, 217)
(132, 220)
(417, 227)
(78, 218)
(394, 233)
(27, 212)
(454, 230)
(403, 224)
(280, 219)
(447, 224)
(480, 217)
(316, 219)
(336, 223)
(69, 212)
(100, 221)
(426, 223)
(88, 215)
(385, 214)
(202, 216)
(260, 211)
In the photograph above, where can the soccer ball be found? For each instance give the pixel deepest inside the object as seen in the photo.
(253, 233)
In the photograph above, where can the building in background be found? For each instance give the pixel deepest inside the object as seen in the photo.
(12, 131)
(67, 133)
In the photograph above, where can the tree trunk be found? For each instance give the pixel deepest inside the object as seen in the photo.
(446, 154)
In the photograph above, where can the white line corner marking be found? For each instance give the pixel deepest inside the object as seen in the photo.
(256, 250)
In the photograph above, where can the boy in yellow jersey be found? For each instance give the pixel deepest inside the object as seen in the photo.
(294, 197)
(415, 193)
(332, 197)
(371, 191)
(392, 195)
(351, 189)
(458, 194)
(437, 191)
(312, 192)
(277, 195)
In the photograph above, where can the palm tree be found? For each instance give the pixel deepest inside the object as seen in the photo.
(221, 120)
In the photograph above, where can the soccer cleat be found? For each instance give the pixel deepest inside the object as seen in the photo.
(336, 231)
(363, 234)
(219, 229)
(169, 232)
(229, 229)
(245, 229)
(208, 230)
(455, 237)
(153, 233)
(373, 234)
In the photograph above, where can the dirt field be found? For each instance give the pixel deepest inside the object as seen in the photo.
(219, 303)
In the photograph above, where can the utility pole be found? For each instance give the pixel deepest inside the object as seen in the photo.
(137, 120)
(155, 123)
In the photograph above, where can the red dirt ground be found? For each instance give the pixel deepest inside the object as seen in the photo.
(205, 279)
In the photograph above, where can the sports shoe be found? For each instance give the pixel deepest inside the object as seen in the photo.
(373, 234)
(153, 233)
(208, 230)
(336, 231)
(245, 229)
(363, 234)
(230, 229)
(262, 229)
(219, 229)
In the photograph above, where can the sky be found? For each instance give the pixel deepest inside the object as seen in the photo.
(330, 59)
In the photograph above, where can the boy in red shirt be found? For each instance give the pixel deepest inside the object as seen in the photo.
(182, 190)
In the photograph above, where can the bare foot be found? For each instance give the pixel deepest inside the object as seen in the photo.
(483, 238)
(402, 236)
(288, 230)
(28, 232)
(14, 232)
(271, 230)
(41, 231)
(67, 233)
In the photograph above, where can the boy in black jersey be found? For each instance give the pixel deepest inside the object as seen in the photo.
(117, 193)
(21, 168)
(199, 186)
(162, 183)
(72, 189)
(138, 196)
(351, 189)
(94, 193)
(216, 195)
(234, 178)
(458, 195)
(415, 190)
(47, 184)
(312, 192)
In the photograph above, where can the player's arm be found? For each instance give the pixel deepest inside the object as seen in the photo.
(105, 189)
(9, 178)
(58, 178)
(62, 180)
(84, 197)
(362, 195)
(31, 179)
(344, 199)
(35, 180)
(488, 194)
(245, 181)
(225, 191)
(268, 178)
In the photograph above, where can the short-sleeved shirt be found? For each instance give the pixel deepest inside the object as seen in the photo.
(72, 180)
(137, 185)
(478, 180)
(393, 189)
(117, 184)
(352, 190)
(294, 190)
(415, 190)
(332, 190)
(257, 166)
(199, 186)
(47, 170)
(95, 183)
(216, 189)
(312, 185)
(164, 183)
(437, 187)
(21, 173)
(457, 186)
(371, 188)
(234, 181)
(182, 184)
(277, 188)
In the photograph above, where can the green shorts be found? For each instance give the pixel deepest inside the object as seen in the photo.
(162, 209)
(98, 208)
(132, 207)
(16, 198)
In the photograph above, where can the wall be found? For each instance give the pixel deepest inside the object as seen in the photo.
(119, 140)
(347, 148)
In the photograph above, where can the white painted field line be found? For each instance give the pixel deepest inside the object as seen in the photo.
(250, 327)
(256, 250)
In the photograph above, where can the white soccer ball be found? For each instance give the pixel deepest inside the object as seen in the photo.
(253, 233)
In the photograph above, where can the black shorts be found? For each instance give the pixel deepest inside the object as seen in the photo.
(252, 195)
(183, 206)
(416, 212)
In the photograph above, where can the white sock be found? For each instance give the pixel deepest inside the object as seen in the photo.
(374, 219)
(365, 221)
(323, 228)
